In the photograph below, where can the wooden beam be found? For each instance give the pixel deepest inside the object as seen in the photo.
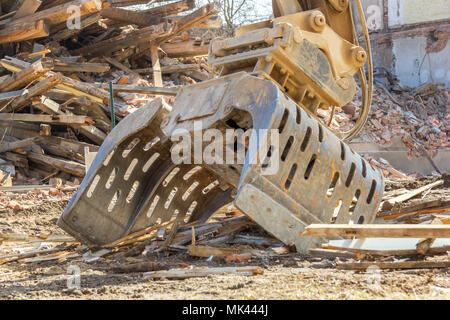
(183, 49)
(27, 7)
(9, 146)
(443, 208)
(18, 237)
(391, 203)
(142, 89)
(61, 143)
(71, 167)
(171, 9)
(331, 254)
(61, 66)
(394, 265)
(93, 133)
(18, 159)
(206, 252)
(24, 31)
(122, 41)
(38, 89)
(121, 66)
(190, 21)
(46, 105)
(25, 76)
(126, 3)
(51, 119)
(66, 33)
(59, 14)
(157, 74)
(378, 231)
(170, 69)
(202, 272)
(11, 94)
(73, 86)
(131, 16)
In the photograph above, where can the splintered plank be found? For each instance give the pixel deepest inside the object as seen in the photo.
(27, 7)
(131, 16)
(63, 255)
(17, 256)
(126, 3)
(18, 159)
(8, 146)
(51, 119)
(171, 9)
(73, 86)
(135, 267)
(25, 76)
(157, 74)
(66, 33)
(80, 67)
(64, 145)
(203, 272)
(142, 89)
(170, 69)
(122, 41)
(140, 235)
(38, 89)
(394, 265)
(190, 21)
(206, 252)
(427, 207)
(387, 246)
(391, 203)
(183, 49)
(24, 31)
(64, 165)
(120, 66)
(18, 237)
(11, 94)
(61, 13)
(378, 231)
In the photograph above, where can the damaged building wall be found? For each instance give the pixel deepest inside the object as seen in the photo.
(410, 38)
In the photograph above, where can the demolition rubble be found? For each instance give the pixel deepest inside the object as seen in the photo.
(57, 108)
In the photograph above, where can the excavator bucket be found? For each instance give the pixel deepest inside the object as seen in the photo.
(295, 171)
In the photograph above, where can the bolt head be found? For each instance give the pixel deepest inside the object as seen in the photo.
(317, 21)
(359, 55)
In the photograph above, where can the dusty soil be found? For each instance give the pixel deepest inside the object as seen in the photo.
(286, 276)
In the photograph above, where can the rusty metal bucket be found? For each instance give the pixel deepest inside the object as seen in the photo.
(134, 183)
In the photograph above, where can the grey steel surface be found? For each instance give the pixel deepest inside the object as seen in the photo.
(298, 194)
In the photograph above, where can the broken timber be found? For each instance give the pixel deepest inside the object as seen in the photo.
(9, 146)
(202, 272)
(394, 265)
(378, 231)
(51, 119)
(142, 90)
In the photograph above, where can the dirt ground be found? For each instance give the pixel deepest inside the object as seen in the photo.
(286, 276)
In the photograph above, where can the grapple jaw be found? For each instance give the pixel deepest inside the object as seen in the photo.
(134, 183)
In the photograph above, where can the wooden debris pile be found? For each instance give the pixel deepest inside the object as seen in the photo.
(141, 251)
(56, 65)
(411, 231)
(420, 116)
